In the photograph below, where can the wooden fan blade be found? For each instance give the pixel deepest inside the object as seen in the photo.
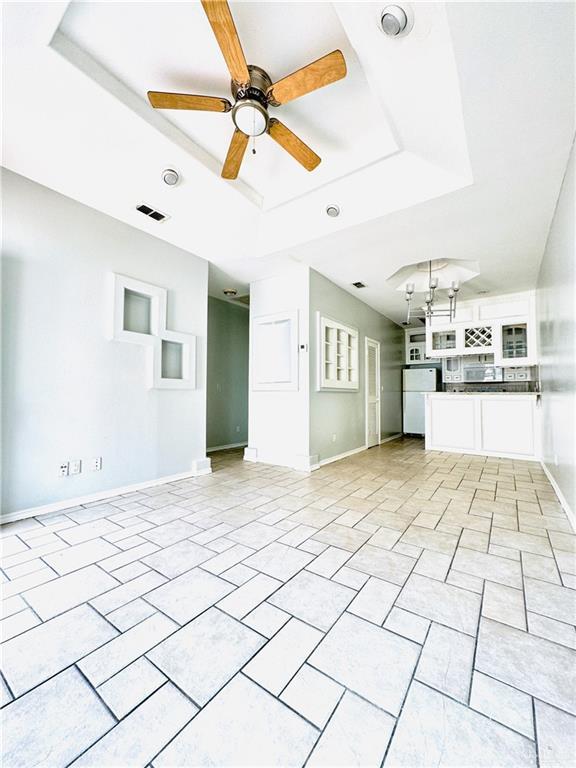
(293, 145)
(319, 73)
(224, 29)
(235, 154)
(161, 100)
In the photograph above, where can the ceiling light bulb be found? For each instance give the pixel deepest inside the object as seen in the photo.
(451, 293)
(455, 285)
(409, 287)
(333, 211)
(433, 283)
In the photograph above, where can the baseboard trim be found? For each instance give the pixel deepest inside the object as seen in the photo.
(225, 447)
(201, 467)
(570, 514)
(392, 437)
(297, 462)
(487, 454)
(331, 459)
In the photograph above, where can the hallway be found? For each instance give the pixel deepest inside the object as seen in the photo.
(399, 608)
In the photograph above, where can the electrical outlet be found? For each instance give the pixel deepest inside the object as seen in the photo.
(75, 467)
(63, 469)
(96, 464)
(237, 429)
(334, 437)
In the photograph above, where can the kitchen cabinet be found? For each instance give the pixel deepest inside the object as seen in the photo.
(504, 327)
(486, 424)
(452, 370)
(415, 345)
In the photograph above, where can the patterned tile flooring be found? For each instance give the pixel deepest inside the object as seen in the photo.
(397, 608)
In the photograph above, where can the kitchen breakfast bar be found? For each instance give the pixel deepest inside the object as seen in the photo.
(500, 424)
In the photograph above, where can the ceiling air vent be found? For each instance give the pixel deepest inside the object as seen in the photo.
(358, 285)
(151, 212)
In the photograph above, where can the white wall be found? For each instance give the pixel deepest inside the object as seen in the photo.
(342, 414)
(556, 307)
(278, 425)
(68, 392)
(295, 428)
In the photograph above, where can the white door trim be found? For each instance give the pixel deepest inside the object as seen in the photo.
(367, 342)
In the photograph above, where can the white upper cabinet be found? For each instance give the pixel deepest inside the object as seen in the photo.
(504, 326)
(415, 347)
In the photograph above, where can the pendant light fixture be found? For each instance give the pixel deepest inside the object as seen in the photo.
(430, 311)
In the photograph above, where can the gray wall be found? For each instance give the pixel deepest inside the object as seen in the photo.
(342, 413)
(69, 392)
(227, 383)
(556, 308)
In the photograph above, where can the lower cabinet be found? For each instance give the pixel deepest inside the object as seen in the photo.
(492, 425)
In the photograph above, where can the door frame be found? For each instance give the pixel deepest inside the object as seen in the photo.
(367, 341)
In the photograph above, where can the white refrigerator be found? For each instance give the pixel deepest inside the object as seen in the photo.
(416, 382)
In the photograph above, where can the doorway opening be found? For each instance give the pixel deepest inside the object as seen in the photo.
(372, 384)
(227, 375)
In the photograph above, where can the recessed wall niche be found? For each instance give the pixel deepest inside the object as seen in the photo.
(274, 352)
(137, 312)
(171, 359)
(138, 316)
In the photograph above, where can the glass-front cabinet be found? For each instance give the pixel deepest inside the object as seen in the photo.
(514, 341)
(516, 344)
(443, 341)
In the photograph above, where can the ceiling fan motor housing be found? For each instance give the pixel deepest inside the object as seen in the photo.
(250, 112)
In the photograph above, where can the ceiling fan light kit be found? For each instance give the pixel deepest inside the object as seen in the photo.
(254, 92)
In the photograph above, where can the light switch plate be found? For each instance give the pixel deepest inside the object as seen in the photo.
(75, 467)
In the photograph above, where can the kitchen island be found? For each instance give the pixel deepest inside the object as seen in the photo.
(502, 424)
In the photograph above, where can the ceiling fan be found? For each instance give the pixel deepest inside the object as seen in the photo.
(253, 92)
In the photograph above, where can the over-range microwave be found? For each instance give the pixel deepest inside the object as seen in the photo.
(482, 373)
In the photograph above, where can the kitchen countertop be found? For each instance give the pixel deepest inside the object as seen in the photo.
(484, 394)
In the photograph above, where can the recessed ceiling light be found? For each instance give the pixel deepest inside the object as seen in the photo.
(333, 211)
(394, 21)
(170, 177)
(230, 292)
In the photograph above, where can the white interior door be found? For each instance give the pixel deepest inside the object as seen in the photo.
(372, 392)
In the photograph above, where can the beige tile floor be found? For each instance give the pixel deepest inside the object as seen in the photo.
(397, 608)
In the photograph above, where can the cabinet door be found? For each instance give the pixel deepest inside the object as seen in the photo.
(515, 344)
(414, 354)
(451, 423)
(441, 341)
(507, 425)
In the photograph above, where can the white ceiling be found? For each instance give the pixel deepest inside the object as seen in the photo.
(174, 50)
(449, 143)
